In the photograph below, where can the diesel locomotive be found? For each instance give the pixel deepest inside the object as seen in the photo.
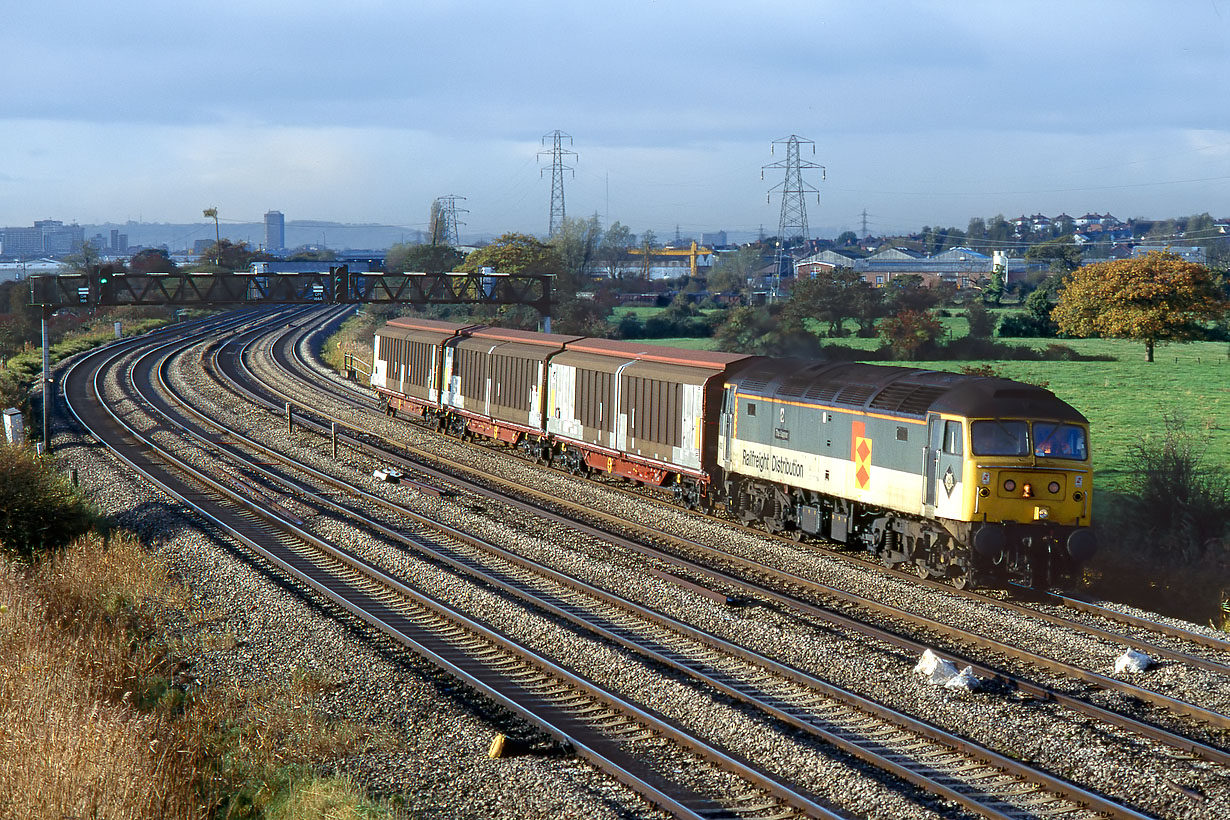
(971, 479)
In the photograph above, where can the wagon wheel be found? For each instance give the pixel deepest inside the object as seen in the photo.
(795, 534)
(922, 571)
(960, 581)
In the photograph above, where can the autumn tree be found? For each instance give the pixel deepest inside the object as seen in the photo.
(577, 243)
(613, 251)
(1062, 254)
(514, 253)
(910, 333)
(833, 297)
(1159, 297)
(152, 260)
(910, 292)
(765, 331)
(733, 271)
(229, 256)
(422, 258)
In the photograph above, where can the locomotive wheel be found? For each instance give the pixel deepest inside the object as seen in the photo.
(960, 581)
(922, 571)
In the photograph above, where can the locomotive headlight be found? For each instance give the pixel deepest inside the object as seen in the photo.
(1053, 488)
(1009, 486)
(1027, 490)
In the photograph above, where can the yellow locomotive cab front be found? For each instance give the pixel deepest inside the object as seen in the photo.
(1033, 481)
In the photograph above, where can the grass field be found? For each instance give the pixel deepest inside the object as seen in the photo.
(1128, 398)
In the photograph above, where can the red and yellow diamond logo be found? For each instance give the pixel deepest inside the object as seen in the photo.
(861, 456)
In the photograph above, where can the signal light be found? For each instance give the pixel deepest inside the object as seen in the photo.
(1053, 487)
(1009, 486)
(106, 288)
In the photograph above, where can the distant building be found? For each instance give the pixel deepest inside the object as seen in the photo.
(22, 243)
(47, 236)
(119, 241)
(717, 239)
(275, 231)
(1191, 254)
(957, 266)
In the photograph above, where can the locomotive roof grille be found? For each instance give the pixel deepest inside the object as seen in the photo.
(754, 385)
(794, 387)
(822, 391)
(907, 398)
(856, 395)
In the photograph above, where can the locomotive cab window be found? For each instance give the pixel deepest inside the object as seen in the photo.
(1000, 438)
(1059, 441)
(952, 438)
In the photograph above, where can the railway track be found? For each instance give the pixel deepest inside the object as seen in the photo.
(936, 761)
(1177, 741)
(291, 358)
(564, 706)
(781, 585)
(909, 749)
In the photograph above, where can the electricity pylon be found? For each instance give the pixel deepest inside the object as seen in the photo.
(793, 221)
(557, 152)
(444, 220)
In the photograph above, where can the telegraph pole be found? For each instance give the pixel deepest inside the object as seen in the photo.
(793, 221)
(557, 153)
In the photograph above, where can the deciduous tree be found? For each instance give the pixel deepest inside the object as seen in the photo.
(910, 332)
(1154, 298)
(514, 253)
(424, 258)
(832, 297)
(765, 331)
(910, 292)
(733, 271)
(152, 260)
(1062, 254)
(613, 251)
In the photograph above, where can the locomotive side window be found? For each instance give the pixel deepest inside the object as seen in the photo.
(1059, 441)
(1000, 438)
(952, 438)
(751, 409)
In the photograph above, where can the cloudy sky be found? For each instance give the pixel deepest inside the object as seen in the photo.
(924, 112)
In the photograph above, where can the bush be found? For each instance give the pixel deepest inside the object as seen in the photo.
(981, 321)
(1028, 326)
(1166, 546)
(39, 509)
(1183, 502)
(911, 333)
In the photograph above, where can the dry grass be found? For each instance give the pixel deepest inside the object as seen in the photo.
(96, 722)
(74, 743)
